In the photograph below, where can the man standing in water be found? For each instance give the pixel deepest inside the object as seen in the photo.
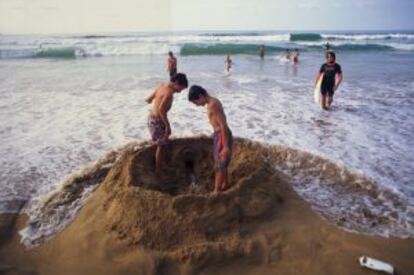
(296, 56)
(158, 123)
(262, 51)
(222, 137)
(327, 46)
(330, 83)
(227, 63)
(171, 64)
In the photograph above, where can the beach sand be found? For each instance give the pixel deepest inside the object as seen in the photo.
(138, 223)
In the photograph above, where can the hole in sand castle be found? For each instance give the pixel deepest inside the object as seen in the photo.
(187, 168)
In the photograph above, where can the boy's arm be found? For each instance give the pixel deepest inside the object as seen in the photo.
(221, 119)
(163, 113)
(338, 81)
(151, 97)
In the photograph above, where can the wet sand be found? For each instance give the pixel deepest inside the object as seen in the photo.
(138, 223)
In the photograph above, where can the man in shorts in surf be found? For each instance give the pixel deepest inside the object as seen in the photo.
(222, 137)
(228, 63)
(171, 64)
(158, 123)
(329, 70)
(262, 51)
(296, 56)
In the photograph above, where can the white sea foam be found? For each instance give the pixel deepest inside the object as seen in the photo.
(118, 45)
(368, 36)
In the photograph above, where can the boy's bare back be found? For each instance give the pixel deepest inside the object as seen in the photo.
(216, 114)
(162, 100)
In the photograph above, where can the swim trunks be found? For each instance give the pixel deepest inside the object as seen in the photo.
(218, 138)
(173, 72)
(157, 130)
(295, 59)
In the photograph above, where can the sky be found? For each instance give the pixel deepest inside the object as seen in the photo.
(97, 16)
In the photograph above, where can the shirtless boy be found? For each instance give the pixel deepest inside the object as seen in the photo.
(158, 124)
(223, 138)
(171, 64)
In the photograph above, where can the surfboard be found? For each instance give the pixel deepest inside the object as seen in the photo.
(317, 91)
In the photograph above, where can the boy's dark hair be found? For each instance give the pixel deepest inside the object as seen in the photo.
(170, 53)
(180, 79)
(195, 92)
(331, 53)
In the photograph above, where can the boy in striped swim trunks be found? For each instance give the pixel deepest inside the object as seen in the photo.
(158, 124)
(222, 137)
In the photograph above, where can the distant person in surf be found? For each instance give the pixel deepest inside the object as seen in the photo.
(222, 137)
(287, 54)
(228, 63)
(158, 124)
(296, 56)
(332, 77)
(171, 64)
(327, 46)
(262, 51)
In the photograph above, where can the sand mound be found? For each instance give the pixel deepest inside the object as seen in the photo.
(175, 217)
(177, 209)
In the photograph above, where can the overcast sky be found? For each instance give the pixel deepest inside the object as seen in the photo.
(94, 16)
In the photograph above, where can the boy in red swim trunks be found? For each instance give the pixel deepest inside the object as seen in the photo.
(223, 139)
(158, 123)
(296, 56)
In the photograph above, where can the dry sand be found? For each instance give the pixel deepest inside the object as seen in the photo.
(137, 223)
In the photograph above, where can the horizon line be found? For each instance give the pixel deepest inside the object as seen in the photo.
(212, 30)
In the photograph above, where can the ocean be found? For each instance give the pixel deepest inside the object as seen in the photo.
(66, 100)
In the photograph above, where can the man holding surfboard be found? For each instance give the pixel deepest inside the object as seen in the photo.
(328, 79)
